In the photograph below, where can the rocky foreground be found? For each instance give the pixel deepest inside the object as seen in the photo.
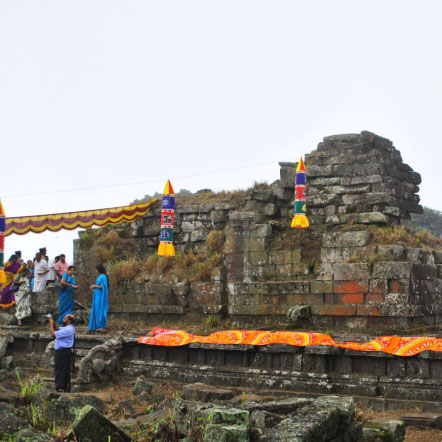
(31, 411)
(110, 404)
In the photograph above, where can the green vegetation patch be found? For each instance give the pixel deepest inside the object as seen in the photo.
(308, 240)
(398, 235)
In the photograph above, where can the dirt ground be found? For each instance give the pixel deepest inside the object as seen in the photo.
(413, 434)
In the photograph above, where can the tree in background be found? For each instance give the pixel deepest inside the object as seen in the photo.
(430, 220)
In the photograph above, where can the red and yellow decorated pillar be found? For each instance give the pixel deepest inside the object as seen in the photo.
(300, 220)
(166, 247)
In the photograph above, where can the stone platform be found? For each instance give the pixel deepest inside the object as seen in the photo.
(374, 379)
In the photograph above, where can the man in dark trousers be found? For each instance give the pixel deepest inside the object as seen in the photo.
(64, 341)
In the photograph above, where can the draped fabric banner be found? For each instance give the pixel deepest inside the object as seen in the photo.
(73, 220)
(394, 345)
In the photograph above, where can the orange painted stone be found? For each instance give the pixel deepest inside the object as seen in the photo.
(344, 310)
(350, 286)
(367, 310)
(349, 298)
(399, 286)
(378, 286)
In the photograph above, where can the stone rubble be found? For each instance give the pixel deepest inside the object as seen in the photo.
(91, 426)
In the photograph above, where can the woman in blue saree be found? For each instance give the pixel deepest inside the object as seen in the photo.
(66, 294)
(12, 268)
(98, 317)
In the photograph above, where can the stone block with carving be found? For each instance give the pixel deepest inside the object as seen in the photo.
(101, 364)
(298, 312)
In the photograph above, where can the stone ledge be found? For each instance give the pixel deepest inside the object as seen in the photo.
(269, 288)
(229, 347)
(137, 308)
(369, 386)
(358, 238)
(257, 310)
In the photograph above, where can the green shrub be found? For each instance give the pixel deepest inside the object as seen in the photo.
(215, 241)
(104, 254)
(86, 239)
(201, 271)
(111, 239)
(398, 235)
(212, 321)
(30, 388)
(216, 259)
(124, 271)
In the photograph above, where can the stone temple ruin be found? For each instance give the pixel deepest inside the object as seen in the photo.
(337, 269)
(344, 274)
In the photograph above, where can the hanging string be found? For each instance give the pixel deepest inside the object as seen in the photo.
(161, 180)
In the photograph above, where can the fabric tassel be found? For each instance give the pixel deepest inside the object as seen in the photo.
(300, 220)
(166, 249)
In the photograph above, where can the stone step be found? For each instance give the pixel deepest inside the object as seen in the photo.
(31, 360)
(428, 420)
(7, 319)
(31, 371)
(206, 393)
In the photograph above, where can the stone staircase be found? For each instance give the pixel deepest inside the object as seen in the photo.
(28, 349)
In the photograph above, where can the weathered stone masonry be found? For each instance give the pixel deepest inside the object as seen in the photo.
(374, 378)
(354, 181)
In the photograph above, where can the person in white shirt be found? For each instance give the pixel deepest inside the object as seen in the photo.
(52, 275)
(41, 270)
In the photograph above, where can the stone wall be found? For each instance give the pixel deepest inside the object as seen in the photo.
(313, 370)
(352, 284)
(354, 181)
(357, 178)
(373, 378)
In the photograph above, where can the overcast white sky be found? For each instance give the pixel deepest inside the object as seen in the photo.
(98, 93)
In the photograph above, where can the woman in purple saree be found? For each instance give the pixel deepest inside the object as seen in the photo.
(12, 267)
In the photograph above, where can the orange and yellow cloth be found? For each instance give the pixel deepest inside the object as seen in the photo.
(394, 345)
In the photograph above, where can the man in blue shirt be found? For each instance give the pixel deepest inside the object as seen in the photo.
(64, 341)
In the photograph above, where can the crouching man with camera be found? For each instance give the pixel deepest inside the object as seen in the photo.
(64, 341)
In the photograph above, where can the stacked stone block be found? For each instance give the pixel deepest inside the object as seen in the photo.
(353, 284)
(192, 225)
(343, 278)
(357, 178)
(379, 286)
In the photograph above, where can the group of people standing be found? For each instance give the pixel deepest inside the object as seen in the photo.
(66, 299)
(24, 279)
(46, 271)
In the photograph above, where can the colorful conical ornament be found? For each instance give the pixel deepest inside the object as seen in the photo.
(166, 247)
(300, 220)
(2, 244)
